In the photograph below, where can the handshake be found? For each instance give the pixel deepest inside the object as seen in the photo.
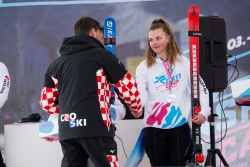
(137, 114)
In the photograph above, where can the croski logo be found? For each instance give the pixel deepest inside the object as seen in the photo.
(73, 121)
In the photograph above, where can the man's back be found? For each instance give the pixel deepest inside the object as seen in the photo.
(84, 88)
(79, 85)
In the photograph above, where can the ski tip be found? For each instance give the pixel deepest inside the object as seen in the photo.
(193, 7)
(193, 10)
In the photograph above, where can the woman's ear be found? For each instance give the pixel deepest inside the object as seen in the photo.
(168, 38)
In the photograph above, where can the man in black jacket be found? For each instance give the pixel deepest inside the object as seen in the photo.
(80, 81)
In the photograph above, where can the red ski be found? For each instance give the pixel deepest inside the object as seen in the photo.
(193, 33)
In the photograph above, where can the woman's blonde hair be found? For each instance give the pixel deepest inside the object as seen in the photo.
(172, 48)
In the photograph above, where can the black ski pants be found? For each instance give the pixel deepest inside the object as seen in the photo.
(168, 147)
(77, 151)
(1, 160)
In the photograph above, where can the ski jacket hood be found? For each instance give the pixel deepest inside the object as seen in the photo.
(78, 43)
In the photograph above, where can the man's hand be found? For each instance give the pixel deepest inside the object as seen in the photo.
(136, 114)
(199, 119)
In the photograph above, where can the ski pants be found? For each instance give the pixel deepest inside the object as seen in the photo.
(168, 147)
(101, 150)
(1, 160)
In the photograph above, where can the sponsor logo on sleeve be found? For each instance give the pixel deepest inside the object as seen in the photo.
(6, 84)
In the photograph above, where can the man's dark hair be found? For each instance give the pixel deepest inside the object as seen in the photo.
(85, 24)
(101, 29)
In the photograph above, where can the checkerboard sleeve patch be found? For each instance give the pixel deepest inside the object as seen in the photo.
(129, 92)
(48, 97)
(113, 160)
(104, 95)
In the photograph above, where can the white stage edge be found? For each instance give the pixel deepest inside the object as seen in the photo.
(24, 148)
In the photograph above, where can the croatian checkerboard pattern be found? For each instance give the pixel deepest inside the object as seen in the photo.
(48, 96)
(129, 92)
(113, 160)
(104, 94)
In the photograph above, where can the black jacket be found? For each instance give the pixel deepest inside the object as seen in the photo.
(80, 79)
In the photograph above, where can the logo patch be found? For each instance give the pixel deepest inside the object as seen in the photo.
(73, 121)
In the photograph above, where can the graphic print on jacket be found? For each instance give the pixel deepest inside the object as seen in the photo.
(173, 117)
(164, 114)
(104, 95)
(162, 81)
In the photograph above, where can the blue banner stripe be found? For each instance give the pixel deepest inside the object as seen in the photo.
(239, 56)
(230, 59)
(216, 95)
(64, 2)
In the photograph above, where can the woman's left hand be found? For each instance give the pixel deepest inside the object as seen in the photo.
(199, 119)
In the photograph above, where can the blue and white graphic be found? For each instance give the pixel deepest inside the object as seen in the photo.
(110, 35)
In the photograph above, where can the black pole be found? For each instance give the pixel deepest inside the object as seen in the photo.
(212, 124)
(211, 159)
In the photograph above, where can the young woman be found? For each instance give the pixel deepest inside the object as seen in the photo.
(163, 80)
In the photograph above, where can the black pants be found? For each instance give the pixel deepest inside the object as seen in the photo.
(101, 150)
(1, 160)
(168, 147)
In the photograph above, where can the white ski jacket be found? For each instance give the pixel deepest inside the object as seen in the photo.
(152, 84)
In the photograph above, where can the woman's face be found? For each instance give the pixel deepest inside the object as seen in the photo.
(158, 41)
